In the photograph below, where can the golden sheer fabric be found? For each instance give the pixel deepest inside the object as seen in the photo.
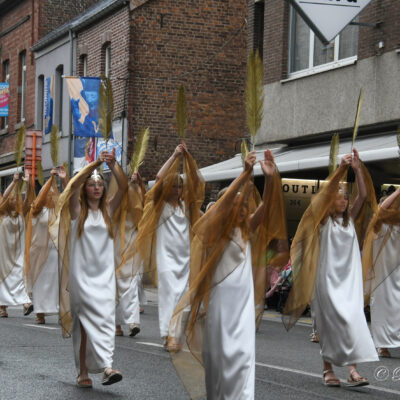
(37, 237)
(371, 276)
(12, 207)
(304, 253)
(212, 233)
(59, 230)
(143, 250)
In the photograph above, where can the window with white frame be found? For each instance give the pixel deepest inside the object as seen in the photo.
(107, 60)
(22, 58)
(6, 79)
(307, 54)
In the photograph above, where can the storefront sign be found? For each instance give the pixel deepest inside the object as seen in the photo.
(327, 18)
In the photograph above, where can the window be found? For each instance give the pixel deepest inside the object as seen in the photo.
(83, 65)
(40, 102)
(22, 88)
(308, 54)
(258, 43)
(58, 96)
(107, 60)
(6, 78)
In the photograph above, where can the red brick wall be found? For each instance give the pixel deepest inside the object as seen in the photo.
(113, 29)
(45, 15)
(181, 42)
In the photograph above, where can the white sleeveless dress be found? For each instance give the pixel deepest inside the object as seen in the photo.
(92, 290)
(338, 304)
(229, 331)
(385, 300)
(173, 262)
(12, 240)
(45, 293)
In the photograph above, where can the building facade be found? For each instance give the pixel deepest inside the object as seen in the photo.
(22, 24)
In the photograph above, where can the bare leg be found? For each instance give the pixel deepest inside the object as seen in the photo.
(329, 376)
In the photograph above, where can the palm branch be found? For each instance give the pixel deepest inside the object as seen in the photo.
(139, 151)
(357, 119)
(106, 108)
(333, 153)
(54, 144)
(19, 144)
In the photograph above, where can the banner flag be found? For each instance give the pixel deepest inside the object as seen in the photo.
(4, 97)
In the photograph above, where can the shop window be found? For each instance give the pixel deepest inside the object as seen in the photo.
(6, 78)
(308, 54)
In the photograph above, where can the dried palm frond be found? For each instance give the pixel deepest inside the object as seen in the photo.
(357, 119)
(333, 153)
(19, 144)
(39, 169)
(54, 144)
(65, 165)
(181, 112)
(254, 94)
(139, 151)
(106, 108)
(244, 150)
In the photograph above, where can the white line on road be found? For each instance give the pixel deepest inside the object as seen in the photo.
(297, 371)
(41, 326)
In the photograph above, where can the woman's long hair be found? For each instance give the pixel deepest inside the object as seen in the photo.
(85, 210)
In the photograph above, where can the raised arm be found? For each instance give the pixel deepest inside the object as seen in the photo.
(62, 174)
(362, 191)
(11, 186)
(268, 168)
(177, 153)
(390, 199)
(122, 185)
(29, 195)
(41, 198)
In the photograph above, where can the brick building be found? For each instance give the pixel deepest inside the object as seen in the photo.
(311, 92)
(149, 48)
(23, 23)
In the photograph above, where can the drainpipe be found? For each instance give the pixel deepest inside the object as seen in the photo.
(70, 122)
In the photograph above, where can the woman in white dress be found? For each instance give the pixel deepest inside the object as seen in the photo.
(220, 330)
(171, 208)
(337, 299)
(127, 221)
(382, 274)
(12, 245)
(88, 285)
(41, 257)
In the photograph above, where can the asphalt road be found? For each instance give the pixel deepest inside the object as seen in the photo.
(37, 363)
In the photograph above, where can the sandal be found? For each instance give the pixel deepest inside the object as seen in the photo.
(111, 376)
(133, 330)
(314, 337)
(119, 331)
(40, 319)
(383, 352)
(28, 308)
(358, 381)
(331, 382)
(84, 383)
(3, 313)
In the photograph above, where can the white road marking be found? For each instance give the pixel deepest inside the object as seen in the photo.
(41, 326)
(150, 344)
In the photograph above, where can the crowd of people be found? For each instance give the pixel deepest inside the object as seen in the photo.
(86, 252)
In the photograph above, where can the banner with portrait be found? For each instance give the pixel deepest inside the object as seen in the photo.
(48, 103)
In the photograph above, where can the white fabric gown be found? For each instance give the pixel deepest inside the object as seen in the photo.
(173, 262)
(12, 233)
(385, 300)
(92, 290)
(45, 292)
(127, 311)
(229, 331)
(339, 302)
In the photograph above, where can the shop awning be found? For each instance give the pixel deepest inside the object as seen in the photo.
(290, 159)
